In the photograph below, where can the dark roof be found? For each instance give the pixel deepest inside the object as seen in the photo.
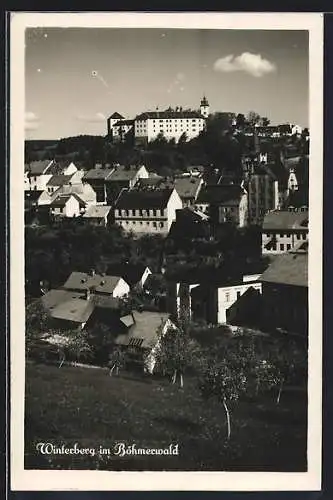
(285, 219)
(59, 180)
(32, 195)
(98, 174)
(61, 200)
(124, 122)
(160, 115)
(188, 187)
(150, 181)
(38, 167)
(68, 305)
(131, 273)
(116, 115)
(221, 194)
(146, 327)
(123, 173)
(288, 269)
(84, 281)
(58, 167)
(77, 310)
(144, 199)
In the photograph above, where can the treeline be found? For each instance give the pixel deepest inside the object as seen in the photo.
(51, 254)
(214, 146)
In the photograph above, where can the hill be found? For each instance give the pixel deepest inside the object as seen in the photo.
(86, 406)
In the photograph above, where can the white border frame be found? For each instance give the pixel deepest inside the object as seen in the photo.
(206, 481)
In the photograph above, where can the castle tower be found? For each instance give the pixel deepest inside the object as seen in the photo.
(204, 107)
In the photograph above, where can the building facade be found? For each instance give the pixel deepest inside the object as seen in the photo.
(263, 195)
(147, 212)
(282, 230)
(224, 203)
(66, 206)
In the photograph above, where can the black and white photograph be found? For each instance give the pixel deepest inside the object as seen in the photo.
(166, 177)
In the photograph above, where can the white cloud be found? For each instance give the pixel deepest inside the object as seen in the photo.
(31, 121)
(95, 118)
(253, 64)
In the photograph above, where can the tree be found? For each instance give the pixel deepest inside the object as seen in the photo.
(264, 121)
(116, 360)
(240, 120)
(36, 323)
(287, 363)
(253, 118)
(177, 352)
(75, 345)
(226, 381)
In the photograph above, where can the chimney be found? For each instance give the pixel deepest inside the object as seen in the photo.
(92, 272)
(87, 294)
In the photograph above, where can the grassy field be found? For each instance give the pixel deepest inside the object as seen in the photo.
(86, 406)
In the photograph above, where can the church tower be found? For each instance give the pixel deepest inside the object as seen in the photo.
(204, 107)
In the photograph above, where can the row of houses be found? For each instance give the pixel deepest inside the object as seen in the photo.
(87, 299)
(148, 204)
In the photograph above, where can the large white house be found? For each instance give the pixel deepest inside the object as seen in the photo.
(147, 212)
(171, 123)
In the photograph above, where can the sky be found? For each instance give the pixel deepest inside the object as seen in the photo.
(76, 77)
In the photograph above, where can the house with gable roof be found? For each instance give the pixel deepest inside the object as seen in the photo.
(141, 338)
(67, 205)
(283, 229)
(37, 174)
(224, 203)
(148, 211)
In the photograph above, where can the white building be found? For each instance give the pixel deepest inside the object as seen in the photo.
(147, 212)
(37, 174)
(97, 284)
(211, 301)
(171, 123)
(68, 205)
(229, 294)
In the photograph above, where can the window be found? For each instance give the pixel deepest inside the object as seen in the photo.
(227, 296)
(281, 235)
(147, 222)
(298, 236)
(134, 222)
(288, 246)
(161, 224)
(126, 213)
(282, 247)
(155, 224)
